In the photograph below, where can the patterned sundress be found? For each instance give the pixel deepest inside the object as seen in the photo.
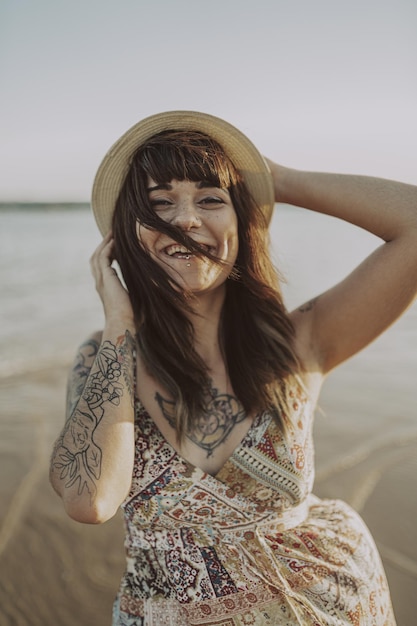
(250, 546)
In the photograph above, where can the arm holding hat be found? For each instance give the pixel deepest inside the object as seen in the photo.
(347, 317)
(92, 462)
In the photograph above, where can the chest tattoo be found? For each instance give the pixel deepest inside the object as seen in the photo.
(222, 412)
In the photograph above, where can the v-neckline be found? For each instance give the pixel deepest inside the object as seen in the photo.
(256, 422)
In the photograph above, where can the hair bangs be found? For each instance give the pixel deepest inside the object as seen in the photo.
(187, 155)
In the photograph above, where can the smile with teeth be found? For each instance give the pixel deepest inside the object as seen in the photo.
(181, 252)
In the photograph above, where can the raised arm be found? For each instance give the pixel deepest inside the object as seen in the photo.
(346, 318)
(92, 461)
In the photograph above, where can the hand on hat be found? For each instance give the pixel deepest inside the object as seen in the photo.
(115, 298)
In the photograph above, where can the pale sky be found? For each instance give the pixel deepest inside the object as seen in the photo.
(316, 84)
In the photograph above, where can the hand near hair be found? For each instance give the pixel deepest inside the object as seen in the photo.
(114, 296)
(93, 458)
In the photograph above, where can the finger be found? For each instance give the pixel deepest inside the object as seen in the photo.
(103, 251)
(103, 242)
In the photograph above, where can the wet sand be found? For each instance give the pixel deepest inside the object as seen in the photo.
(56, 572)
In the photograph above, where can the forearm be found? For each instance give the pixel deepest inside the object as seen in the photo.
(92, 463)
(386, 208)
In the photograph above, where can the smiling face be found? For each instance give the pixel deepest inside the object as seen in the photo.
(204, 213)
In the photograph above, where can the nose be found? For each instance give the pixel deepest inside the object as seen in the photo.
(186, 216)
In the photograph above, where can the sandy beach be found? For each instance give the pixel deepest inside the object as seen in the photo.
(55, 571)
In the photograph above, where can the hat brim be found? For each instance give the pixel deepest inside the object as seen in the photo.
(244, 155)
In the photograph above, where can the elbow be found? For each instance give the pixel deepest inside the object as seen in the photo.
(90, 506)
(92, 512)
(81, 510)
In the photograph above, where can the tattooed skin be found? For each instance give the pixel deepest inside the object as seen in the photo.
(308, 306)
(223, 411)
(95, 383)
(80, 372)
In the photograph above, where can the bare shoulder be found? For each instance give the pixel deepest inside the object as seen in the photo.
(87, 350)
(93, 340)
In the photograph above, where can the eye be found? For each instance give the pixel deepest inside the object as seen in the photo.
(160, 203)
(211, 201)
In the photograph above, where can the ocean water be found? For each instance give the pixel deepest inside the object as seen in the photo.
(48, 300)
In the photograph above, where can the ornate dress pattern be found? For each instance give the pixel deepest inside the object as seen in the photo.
(250, 546)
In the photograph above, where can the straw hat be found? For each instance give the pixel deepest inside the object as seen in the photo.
(241, 151)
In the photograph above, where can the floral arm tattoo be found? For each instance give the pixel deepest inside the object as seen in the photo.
(222, 412)
(99, 378)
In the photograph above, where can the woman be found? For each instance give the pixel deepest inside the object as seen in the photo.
(193, 408)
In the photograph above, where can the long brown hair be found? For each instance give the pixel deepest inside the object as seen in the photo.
(257, 334)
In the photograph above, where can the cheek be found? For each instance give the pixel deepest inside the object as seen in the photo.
(228, 227)
(145, 236)
(234, 240)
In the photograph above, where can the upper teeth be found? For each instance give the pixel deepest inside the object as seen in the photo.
(177, 248)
